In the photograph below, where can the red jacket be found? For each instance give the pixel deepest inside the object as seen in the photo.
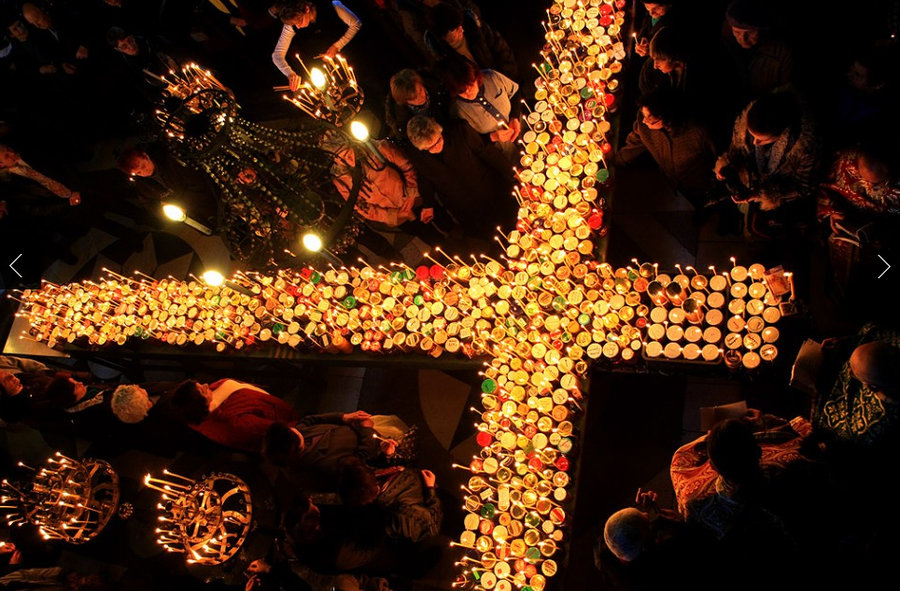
(242, 419)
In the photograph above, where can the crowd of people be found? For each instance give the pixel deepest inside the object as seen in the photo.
(381, 517)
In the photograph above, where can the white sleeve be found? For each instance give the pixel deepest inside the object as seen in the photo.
(279, 56)
(510, 87)
(351, 20)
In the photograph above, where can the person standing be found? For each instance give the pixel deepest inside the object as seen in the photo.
(301, 14)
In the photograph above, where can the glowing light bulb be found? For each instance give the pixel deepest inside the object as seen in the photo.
(213, 278)
(174, 213)
(359, 131)
(312, 242)
(318, 78)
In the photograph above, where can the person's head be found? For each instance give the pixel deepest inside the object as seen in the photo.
(36, 15)
(870, 70)
(877, 365)
(771, 115)
(733, 451)
(64, 391)
(462, 77)
(116, 3)
(657, 9)
(301, 522)
(121, 41)
(9, 384)
(627, 533)
(18, 30)
(189, 401)
(357, 484)
(748, 20)
(662, 109)
(669, 50)
(8, 156)
(281, 442)
(297, 13)
(136, 162)
(425, 134)
(447, 24)
(877, 160)
(407, 88)
(130, 403)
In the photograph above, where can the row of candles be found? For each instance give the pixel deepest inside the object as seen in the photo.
(559, 308)
(524, 308)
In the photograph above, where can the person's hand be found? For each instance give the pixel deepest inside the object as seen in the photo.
(259, 566)
(237, 21)
(833, 220)
(75, 198)
(388, 447)
(720, 164)
(753, 415)
(429, 478)
(69, 69)
(642, 47)
(254, 583)
(830, 343)
(81, 53)
(645, 499)
(3, 210)
(331, 51)
(426, 215)
(48, 69)
(294, 82)
(515, 126)
(357, 416)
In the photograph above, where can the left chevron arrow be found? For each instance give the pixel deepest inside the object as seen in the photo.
(13, 263)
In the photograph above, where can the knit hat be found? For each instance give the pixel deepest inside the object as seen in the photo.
(748, 14)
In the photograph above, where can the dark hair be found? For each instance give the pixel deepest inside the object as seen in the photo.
(60, 392)
(459, 73)
(279, 444)
(187, 403)
(444, 18)
(669, 43)
(404, 85)
(357, 484)
(288, 9)
(733, 451)
(880, 148)
(748, 14)
(129, 159)
(666, 103)
(298, 523)
(773, 113)
(114, 35)
(878, 65)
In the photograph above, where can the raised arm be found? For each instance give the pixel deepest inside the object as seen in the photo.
(353, 26)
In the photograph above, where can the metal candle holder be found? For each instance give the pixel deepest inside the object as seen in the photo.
(331, 93)
(207, 519)
(69, 500)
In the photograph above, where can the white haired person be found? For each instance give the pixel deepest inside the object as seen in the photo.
(130, 403)
(300, 14)
(639, 546)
